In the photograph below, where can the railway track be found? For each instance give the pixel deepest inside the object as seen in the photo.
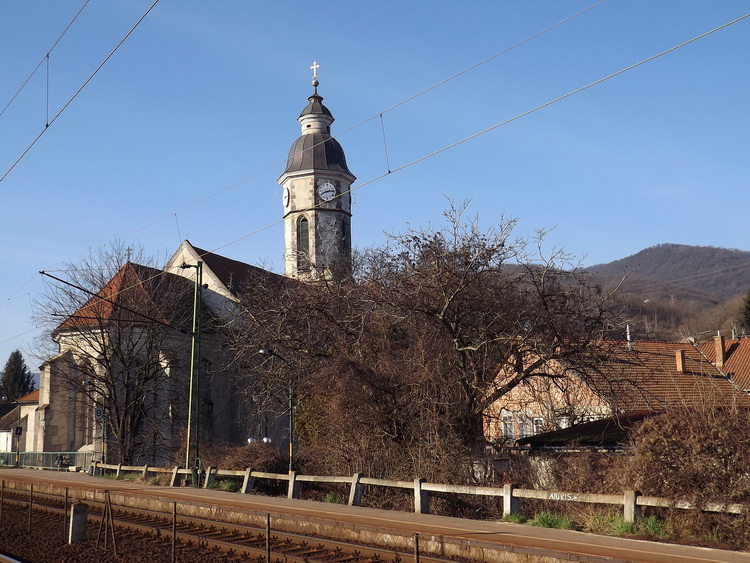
(187, 533)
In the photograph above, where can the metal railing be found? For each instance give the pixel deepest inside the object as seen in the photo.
(48, 460)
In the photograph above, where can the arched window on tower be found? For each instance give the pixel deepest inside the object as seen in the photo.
(303, 244)
(344, 236)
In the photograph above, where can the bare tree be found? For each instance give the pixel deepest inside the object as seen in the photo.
(117, 325)
(394, 370)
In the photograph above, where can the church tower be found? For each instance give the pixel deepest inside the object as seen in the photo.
(316, 198)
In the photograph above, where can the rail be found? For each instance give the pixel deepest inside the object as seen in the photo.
(632, 502)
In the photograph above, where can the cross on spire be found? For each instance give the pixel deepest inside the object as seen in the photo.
(315, 66)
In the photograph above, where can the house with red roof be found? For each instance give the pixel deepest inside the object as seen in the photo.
(731, 357)
(20, 414)
(630, 377)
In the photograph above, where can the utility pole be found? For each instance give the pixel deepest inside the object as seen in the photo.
(195, 359)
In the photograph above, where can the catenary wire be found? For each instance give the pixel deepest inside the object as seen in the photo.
(45, 58)
(502, 123)
(51, 121)
(514, 118)
(505, 122)
(111, 301)
(379, 114)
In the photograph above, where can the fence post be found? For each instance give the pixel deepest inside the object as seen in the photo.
(119, 471)
(247, 484)
(421, 498)
(210, 477)
(511, 504)
(631, 509)
(355, 492)
(293, 491)
(175, 476)
(145, 472)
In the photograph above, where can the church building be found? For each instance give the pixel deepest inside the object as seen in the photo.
(316, 184)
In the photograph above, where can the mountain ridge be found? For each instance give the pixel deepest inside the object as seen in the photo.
(705, 274)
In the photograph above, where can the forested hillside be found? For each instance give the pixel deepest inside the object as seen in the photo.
(674, 290)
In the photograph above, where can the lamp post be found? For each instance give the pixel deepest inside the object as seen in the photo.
(290, 396)
(195, 354)
(19, 430)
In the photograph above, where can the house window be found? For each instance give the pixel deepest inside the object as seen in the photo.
(538, 425)
(525, 427)
(508, 427)
(303, 244)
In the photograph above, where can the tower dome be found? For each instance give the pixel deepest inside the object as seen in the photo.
(315, 149)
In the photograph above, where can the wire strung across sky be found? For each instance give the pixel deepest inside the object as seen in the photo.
(275, 164)
(461, 141)
(374, 116)
(514, 118)
(497, 125)
(74, 96)
(44, 58)
(111, 302)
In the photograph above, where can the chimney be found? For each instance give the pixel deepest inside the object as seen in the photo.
(679, 357)
(719, 351)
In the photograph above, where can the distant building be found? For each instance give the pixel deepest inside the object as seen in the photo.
(731, 357)
(631, 377)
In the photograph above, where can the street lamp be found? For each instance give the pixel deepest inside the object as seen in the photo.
(269, 352)
(19, 430)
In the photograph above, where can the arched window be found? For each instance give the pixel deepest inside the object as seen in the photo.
(303, 244)
(344, 236)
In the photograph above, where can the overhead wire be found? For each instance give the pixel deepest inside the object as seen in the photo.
(510, 120)
(111, 301)
(500, 124)
(381, 113)
(74, 96)
(249, 177)
(44, 58)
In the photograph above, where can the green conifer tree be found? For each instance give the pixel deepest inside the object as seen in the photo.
(17, 379)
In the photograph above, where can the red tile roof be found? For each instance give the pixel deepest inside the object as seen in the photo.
(135, 294)
(736, 359)
(32, 397)
(647, 377)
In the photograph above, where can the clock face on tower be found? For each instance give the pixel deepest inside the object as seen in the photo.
(285, 197)
(326, 191)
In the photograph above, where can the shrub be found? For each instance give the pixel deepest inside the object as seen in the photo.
(698, 455)
(258, 456)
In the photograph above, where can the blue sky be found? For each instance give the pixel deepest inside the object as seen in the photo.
(205, 94)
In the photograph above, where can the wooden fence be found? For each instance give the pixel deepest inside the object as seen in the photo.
(632, 502)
